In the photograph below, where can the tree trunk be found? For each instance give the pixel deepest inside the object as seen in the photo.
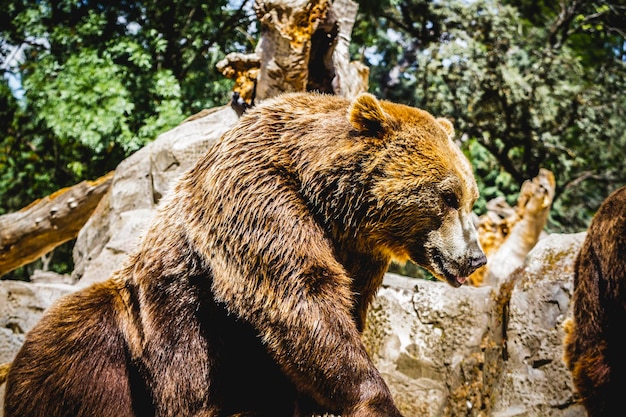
(303, 47)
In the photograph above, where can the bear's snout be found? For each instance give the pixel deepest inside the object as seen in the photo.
(478, 261)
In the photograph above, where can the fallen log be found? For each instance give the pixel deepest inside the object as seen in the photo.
(28, 234)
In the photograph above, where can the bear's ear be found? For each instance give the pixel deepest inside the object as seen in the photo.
(447, 126)
(366, 115)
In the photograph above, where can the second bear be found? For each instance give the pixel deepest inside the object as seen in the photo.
(595, 347)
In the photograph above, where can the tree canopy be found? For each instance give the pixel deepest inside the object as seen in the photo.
(99, 79)
(529, 85)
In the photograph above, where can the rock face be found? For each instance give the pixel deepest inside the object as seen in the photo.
(471, 351)
(480, 351)
(535, 379)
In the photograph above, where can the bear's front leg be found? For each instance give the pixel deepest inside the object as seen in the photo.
(320, 348)
(306, 324)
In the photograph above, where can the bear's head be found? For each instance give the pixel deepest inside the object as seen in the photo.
(422, 186)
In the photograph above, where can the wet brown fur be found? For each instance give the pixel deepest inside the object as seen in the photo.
(250, 289)
(594, 344)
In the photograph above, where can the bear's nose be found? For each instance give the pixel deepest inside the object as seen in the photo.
(478, 261)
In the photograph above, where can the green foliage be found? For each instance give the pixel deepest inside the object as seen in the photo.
(100, 80)
(493, 181)
(84, 101)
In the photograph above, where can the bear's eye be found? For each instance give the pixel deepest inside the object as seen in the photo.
(451, 200)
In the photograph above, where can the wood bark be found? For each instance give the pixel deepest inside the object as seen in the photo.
(304, 46)
(507, 234)
(35, 230)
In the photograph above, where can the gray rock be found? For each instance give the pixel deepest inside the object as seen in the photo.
(480, 351)
(535, 380)
(421, 335)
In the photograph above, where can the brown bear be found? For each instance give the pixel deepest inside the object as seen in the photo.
(595, 346)
(249, 291)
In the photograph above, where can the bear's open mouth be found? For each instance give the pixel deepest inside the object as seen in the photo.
(451, 278)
